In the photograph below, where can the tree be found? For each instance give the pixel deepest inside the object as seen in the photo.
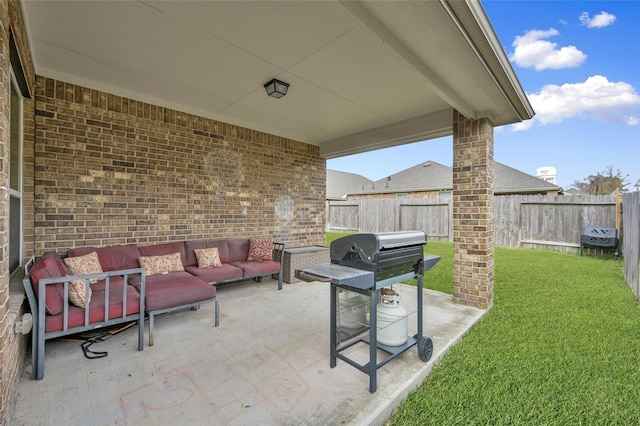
(603, 183)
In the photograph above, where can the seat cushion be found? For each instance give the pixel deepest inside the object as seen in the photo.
(176, 289)
(253, 269)
(226, 272)
(97, 304)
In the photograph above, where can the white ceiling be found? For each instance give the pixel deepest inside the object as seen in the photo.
(363, 75)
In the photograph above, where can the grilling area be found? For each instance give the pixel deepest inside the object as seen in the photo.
(261, 366)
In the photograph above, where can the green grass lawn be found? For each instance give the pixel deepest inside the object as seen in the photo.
(561, 346)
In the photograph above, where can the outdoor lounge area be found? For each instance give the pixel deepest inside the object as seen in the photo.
(267, 363)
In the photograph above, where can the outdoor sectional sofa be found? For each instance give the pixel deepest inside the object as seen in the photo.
(93, 287)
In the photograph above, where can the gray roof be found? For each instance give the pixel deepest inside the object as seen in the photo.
(507, 180)
(432, 176)
(339, 184)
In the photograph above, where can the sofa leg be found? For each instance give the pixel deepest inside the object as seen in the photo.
(37, 358)
(150, 329)
(36, 374)
(141, 332)
(217, 303)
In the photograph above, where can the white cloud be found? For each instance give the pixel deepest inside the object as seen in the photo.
(601, 20)
(532, 50)
(596, 98)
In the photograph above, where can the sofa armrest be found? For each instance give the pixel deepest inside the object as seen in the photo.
(125, 273)
(278, 252)
(278, 256)
(38, 311)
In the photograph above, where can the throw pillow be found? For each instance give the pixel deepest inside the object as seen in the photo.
(78, 294)
(260, 249)
(208, 258)
(155, 265)
(81, 265)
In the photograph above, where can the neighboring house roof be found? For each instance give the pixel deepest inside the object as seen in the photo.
(339, 184)
(426, 176)
(507, 180)
(432, 176)
(573, 191)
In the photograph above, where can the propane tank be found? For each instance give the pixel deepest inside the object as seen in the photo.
(353, 309)
(393, 327)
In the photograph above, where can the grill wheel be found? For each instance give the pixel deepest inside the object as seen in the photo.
(425, 348)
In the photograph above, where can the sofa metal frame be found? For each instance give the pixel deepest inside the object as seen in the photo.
(37, 305)
(193, 306)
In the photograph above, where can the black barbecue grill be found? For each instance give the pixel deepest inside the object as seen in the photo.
(599, 237)
(365, 264)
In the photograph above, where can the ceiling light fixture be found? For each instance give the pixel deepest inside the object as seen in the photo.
(276, 88)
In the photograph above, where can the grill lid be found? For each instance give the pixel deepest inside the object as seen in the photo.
(368, 246)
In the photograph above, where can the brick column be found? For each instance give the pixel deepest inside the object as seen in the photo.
(473, 211)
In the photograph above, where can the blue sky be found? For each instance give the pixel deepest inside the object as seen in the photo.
(579, 63)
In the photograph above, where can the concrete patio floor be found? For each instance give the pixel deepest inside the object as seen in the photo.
(267, 364)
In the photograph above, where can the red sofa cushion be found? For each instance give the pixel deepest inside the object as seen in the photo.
(252, 269)
(213, 275)
(238, 249)
(96, 307)
(113, 258)
(50, 265)
(190, 246)
(164, 249)
(176, 289)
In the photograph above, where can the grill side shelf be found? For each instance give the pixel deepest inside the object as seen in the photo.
(337, 274)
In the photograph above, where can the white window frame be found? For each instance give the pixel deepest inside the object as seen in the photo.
(16, 193)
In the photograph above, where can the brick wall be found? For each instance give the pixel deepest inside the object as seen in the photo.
(7, 385)
(473, 211)
(12, 346)
(110, 170)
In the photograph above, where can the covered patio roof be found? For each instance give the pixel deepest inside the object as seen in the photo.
(364, 75)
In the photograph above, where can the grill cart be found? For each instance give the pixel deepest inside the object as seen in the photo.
(366, 264)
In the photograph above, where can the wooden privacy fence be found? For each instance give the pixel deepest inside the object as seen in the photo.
(532, 221)
(432, 216)
(549, 221)
(631, 240)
